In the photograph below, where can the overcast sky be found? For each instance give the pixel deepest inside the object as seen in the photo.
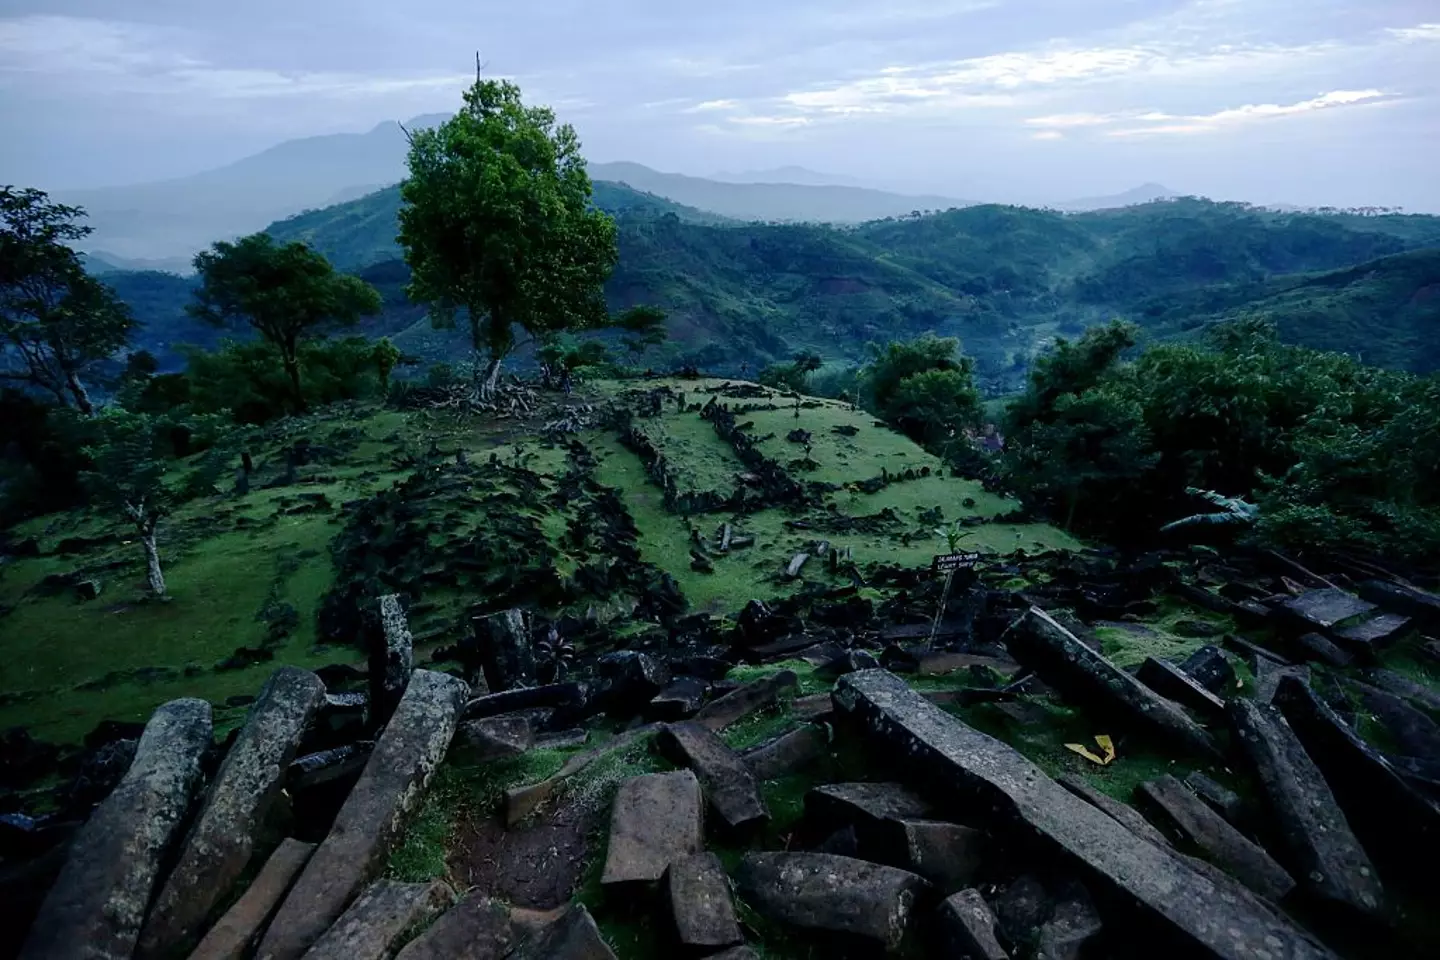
(1304, 101)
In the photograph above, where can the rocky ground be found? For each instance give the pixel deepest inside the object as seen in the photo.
(819, 777)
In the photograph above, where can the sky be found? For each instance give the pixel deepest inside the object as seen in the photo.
(1272, 101)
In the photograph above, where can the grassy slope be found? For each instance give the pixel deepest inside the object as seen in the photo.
(227, 557)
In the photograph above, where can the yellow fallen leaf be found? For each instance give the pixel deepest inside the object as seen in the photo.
(1106, 745)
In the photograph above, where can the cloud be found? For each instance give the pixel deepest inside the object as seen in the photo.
(709, 106)
(1163, 123)
(1047, 135)
(1419, 33)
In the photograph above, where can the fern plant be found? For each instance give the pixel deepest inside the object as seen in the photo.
(1233, 511)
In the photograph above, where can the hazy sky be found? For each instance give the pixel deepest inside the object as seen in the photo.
(1305, 101)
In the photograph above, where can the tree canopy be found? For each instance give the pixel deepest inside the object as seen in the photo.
(288, 293)
(497, 223)
(56, 320)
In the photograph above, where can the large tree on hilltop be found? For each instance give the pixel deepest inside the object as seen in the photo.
(287, 293)
(55, 319)
(497, 223)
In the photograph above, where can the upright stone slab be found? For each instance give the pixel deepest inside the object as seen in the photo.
(1187, 816)
(1065, 663)
(506, 654)
(392, 659)
(729, 787)
(657, 818)
(375, 925)
(476, 928)
(838, 895)
(222, 840)
(368, 825)
(1327, 858)
(1173, 902)
(698, 894)
(95, 909)
(236, 932)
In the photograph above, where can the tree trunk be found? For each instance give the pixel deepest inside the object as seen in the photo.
(292, 370)
(491, 378)
(80, 394)
(153, 575)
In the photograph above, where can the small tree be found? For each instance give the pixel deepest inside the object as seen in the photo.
(643, 326)
(497, 222)
(129, 476)
(55, 318)
(288, 294)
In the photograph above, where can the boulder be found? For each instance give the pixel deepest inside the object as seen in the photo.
(1176, 904)
(1398, 824)
(573, 936)
(1022, 907)
(787, 753)
(95, 909)
(1065, 663)
(657, 818)
(1123, 813)
(367, 827)
(967, 928)
(729, 787)
(1209, 667)
(817, 891)
(698, 894)
(1328, 860)
(738, 704)
(1174, 684)
(946, 854)
(223, 837)
(1185, 817)
(392, 658)
(506, 654)
(376, 924)
(476, 928)
(495, 738)
(237, 930)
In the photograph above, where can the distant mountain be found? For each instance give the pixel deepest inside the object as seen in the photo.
(175, 218)
(101, 262)
(1145, 193)
(800, 176)
(785, 202)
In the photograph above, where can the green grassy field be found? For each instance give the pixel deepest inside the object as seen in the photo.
(232, 560)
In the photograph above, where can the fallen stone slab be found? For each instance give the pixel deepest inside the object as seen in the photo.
(738, 704)
(967, 928)
(222, 840)
(1186, 817)
(1063, 662)
(948, 855)
(1022, 906)
(1123, 813)
(939, 664)
(1327, 859)
(1368, 638)
(728, 785)
(326, 766)
(657, 818)
(812, 707)
(682, 698)
(863, 806)
(375, 925)
(735, 953)
(1071, 929)
(817, 891)
(1398, 824)
(1411, 601)
(1319, 648)
(698, 894)
(367, 827)
(96, 907)
(237, 930)
(495, 738)
(1179, 905)
(522, 801)
(1326, 607)
(573, 936)
(1225, 802)
(476, 928)
(1209, 667)
(1268, 675)
(1412, 730)
(787, 753)
(1175, 685)
(554, 695)
(1403, 686)
(1252, 653)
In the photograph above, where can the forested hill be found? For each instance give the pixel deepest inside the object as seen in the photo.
(1003, 279)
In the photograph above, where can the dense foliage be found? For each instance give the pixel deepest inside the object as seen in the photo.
(497, 224)
(1335, 453)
